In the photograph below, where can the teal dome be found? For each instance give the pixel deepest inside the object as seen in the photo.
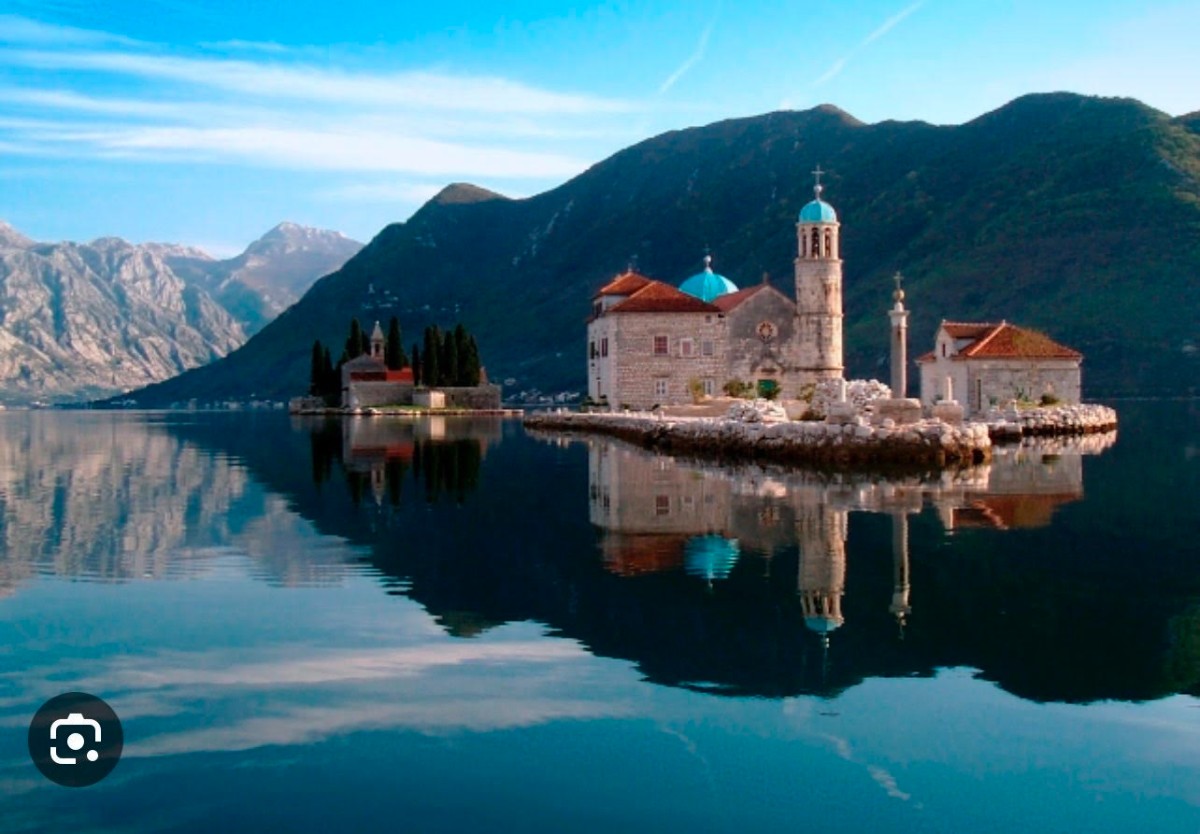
(818, 211)
(710, 557)
(707, 285)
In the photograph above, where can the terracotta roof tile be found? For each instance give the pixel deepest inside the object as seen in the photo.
(657, 297)
(926, 357)
(967, 329)
(730, 300)
(627, 283)
(1007, 341)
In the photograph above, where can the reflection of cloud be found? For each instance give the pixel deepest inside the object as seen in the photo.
(481, 711)
(433, 687)
(213, 669)
(880, 775)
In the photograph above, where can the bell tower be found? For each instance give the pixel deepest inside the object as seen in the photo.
(819, 289)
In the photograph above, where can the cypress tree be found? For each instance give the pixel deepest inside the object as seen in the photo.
(354, 342)
(471, 364)
(449, 359)
(460, 349)
(393, 352)
(432, 374)
(416, 364)
(316, 381)
(330, 383)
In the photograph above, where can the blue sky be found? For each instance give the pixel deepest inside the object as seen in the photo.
(207, 123)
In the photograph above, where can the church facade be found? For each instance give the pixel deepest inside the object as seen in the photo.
(650, 343)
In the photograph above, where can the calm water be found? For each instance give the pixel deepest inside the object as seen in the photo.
(453, 626)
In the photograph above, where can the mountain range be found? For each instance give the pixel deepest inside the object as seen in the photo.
(85, 320)
(1075, 215)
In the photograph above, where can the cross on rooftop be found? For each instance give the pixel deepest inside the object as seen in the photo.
(818, 188)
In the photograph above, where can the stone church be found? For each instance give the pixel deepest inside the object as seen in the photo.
(650, 343)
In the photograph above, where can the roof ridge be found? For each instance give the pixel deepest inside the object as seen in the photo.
(978, 344)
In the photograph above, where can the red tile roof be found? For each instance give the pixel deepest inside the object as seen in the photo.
(1002, 341)
(657, 297)
(966, 329)
(627, 283)
(731, 300)
(1007, 341)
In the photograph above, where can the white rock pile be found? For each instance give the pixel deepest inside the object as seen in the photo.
(859, 393)
(757, 411)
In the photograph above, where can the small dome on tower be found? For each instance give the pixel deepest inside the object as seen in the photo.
(707, 285)
(818, 211)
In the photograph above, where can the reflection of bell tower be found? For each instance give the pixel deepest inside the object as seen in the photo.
(819, 289)
(900, 579)
(821, 532)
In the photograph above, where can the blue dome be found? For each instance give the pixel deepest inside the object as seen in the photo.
(818, 211)
(710, 557)
(707, 285)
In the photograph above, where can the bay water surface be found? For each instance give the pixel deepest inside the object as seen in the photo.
(452, 625)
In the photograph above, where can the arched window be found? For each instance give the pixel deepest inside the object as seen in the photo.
(816, 244)
(828, 243)
(803, 246)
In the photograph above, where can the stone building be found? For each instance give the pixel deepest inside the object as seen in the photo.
(650, 343)
(368, 382)
(990, 364)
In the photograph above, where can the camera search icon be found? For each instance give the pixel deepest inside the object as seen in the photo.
(75, 739)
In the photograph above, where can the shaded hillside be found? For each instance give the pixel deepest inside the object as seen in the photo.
(1079, 216)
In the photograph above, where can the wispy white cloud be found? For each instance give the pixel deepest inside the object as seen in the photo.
(888, 25)
(266, 105)
(266, 80)
(696, 57)
(17, 29)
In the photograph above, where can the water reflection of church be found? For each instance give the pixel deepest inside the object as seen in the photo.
(659, 514)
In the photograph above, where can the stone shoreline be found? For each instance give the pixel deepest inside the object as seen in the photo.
(405, 412)
(929, 444)
(1087, 418)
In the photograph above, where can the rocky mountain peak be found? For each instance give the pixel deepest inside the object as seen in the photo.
(10, 238)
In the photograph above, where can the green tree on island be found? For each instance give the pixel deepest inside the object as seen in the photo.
(432, 373)
(393, 352)
(416, 364)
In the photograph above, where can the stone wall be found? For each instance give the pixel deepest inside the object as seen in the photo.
(373, 394)
(641, 374)
(751, 358)
(480, 397)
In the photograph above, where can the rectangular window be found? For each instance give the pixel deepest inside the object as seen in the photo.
(706, 347)
(660, 387)
(687, 347)
(591, 350)
(662, 505)
(604, 346)
(710, 388)
(660, 346)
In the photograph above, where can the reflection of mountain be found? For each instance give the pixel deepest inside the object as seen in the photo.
(109, 497)
(1054, 613)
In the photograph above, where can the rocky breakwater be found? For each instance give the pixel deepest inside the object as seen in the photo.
(1014, 423)
(763, 432)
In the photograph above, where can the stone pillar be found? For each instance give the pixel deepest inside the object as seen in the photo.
(899, 319)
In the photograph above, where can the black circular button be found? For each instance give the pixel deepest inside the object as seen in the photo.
(75, 739)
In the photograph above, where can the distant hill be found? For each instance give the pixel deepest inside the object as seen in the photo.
(85, 320)
(1076, 215)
